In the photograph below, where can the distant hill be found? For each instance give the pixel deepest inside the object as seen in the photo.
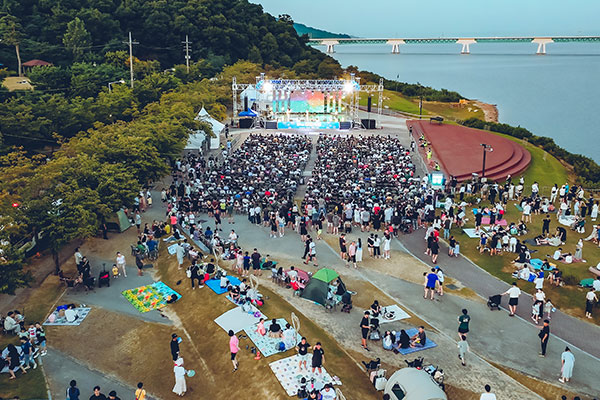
(302, 29)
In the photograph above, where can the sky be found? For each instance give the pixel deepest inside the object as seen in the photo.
(438, 18)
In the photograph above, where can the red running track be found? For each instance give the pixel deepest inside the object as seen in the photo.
(458, 150)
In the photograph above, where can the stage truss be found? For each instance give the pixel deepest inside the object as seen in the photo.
(350, 87)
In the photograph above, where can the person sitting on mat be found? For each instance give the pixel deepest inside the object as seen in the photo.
(260, 328)
(402, 341)
(419, 339)
(274, 329)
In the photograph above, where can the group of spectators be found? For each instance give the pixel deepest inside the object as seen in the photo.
(32, 344)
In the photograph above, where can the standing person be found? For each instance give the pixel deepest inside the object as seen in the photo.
(546, 225)
(73, 391)
(352, 253)
(139, 262)
(318, 358)
(435, 249)
(140, 393)
(343, 249)
(303, 355)
(246, 264)
(194, 275)
(513, 298)
(463, 348)
(234, 347)
(440, 275)
(590, 298)
(544, 335)
(364, 328)
(386, 247)
(256, 263)
(488, 395)
(121, 263)
(27, 349)
(568, 362)
(463, 326)
(180, 253)
(180, 388)
(175, 346)
(138, 222)
(359, 251)
(78, 256)
(112, 395)
(312, 252)
(431, 280)
(370, 242)
(376, 246)
(97, 394)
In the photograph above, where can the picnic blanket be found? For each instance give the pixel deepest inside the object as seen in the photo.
(287, 373)
(215, 284)
(471, 233)
(531, 242)
(267, 345)
(149, 297)
(392, 313)
(518, 207)
(486, 221)
(567, 220)
(82, 312)
(237, 319)
(428, 344)
(172, 249)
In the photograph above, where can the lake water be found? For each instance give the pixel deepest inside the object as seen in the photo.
(555, 95)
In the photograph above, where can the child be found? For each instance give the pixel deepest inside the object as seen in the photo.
(224, 281)
(535, 311)
(457, 249)
(115, 271)
(27, 349)
(41, 338)
(463, 347)
(548, 308)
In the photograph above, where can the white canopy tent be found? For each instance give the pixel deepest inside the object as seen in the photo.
(217, 127)
(196, 141)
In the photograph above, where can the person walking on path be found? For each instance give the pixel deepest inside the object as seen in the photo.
(440, 275)
(234, 347)
(140, 393)
(180, 388)
(343, 250)
(256, 263)
(73, 391)
(175, 346)
(97, 395)
(352, 253)
(513, 298)
(590, 299)
(463, 348)
(318, 358)
(180, 253)
(488, 395)
(364, 329)
(463, 326)
(359, 251)
(544, 335)
(568, 362)
(430, 282)
(121, 263)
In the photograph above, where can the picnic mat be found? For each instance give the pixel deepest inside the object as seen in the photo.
(215, 284)
(567, 220)
(531, 242)
(428, 344)
(470, 232)
(267, 345)
(486, 221)
(286, 371)
(237, 319)
(518, 207)
(82, 312)
(149, 297)
(392, 313)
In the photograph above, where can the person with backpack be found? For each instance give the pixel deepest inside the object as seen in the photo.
(73, 391)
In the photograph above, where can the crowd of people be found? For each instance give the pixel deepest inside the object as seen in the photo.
(32, 344)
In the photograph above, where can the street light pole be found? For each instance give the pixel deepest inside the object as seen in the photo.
(485, 150)
(112, 83)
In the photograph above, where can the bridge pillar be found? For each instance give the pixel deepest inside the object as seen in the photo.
(395, 45)
(542, 42)
(465, 45)
(330, 45)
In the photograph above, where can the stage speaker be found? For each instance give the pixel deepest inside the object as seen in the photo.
(345, 125)
(369, 104)
(368, 123)
(245, 103)
(245, 122)
(271, 125)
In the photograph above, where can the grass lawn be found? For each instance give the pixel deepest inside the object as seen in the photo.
(14, 83)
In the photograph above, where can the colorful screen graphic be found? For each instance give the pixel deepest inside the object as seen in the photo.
(301, 102)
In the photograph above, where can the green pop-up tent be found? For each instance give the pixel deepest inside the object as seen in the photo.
(317, 287)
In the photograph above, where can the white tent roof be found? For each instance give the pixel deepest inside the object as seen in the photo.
(416, 384)
(195, 141)
(217, 127)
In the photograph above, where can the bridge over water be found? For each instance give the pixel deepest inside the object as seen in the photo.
(464, 41)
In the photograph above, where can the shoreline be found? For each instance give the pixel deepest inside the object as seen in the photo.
(490, 111)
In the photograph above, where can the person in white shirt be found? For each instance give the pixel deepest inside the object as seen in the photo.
(596, 284)
(513, 298)
(540, 295)
(328, 392)
(557, 254)
(71, 314)
(487, 395)
(121, 263)
(78, 256)
(292, 274)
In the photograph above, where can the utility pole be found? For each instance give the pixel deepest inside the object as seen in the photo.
(131, 43)
(187, 50)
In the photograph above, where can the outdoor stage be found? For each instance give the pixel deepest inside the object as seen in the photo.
(459, 150)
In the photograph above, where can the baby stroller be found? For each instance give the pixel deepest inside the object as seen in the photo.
(103, 277)
(346, 302)
(494, 302)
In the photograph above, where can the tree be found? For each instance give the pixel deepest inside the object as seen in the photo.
(77, 39)
(12, 275)
(11, 34)
(286, 18)
(254, 55)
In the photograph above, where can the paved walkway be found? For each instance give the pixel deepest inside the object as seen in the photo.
(494, 335)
